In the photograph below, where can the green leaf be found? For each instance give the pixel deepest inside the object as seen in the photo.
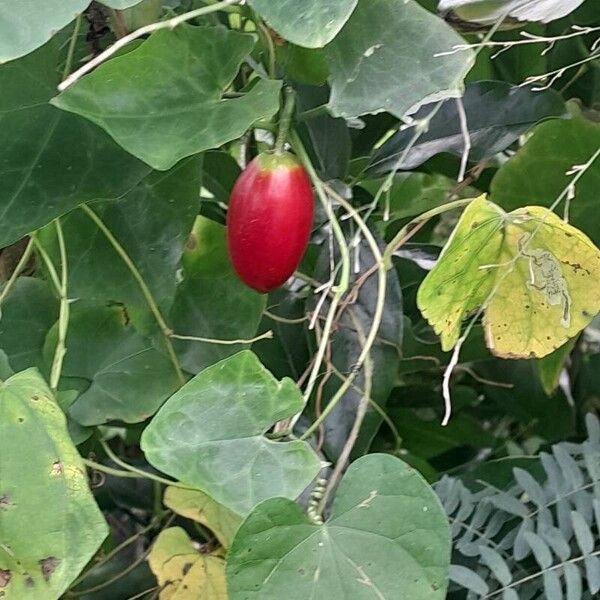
(120, 4)
(412, 194)
(387, 537)
(550, 367)
(374, 69)
(210, 434)
(182, 572)
(211, 302)
(553, 149)
(127, 378)
(50, 526)
(152, 223)
(28, 313)
(51, 161)
(27, 24)
(468, 579)
(308, 23)
(497, 114)
(220, 172)
(164, 101)
(327, 139)
(199, 507)
(534, 274)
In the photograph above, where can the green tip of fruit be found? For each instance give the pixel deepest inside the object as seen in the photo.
(270, 161)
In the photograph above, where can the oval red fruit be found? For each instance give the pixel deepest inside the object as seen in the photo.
(269, 220)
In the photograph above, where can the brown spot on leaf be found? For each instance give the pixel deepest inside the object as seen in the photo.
(5, 502)
(186, 568)
(28, 580)
(57, 468)
(48, 566)
(35, 398)
(5, 577)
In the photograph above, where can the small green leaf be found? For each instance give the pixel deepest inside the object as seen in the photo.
(211, 301)
(28, 313)
(387, 537)
(550, 367)
(50, 526)
(583, 533)
(468, 579)
(541, 551)
(215, 425)
(164, 101)
(309, 23)
(496, 564)
(127, 378)
(374, 69)
(573, 581)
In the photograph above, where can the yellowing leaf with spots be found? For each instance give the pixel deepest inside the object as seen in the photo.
(536, 277)
(183, 572)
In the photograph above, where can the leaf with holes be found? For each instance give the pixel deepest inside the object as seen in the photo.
(50, 526)
(210, 434)
(534, 275)
(387, 537)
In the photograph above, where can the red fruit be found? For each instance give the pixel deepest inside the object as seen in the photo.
(269, 220)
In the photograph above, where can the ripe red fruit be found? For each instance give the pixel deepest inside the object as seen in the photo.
(269, 220)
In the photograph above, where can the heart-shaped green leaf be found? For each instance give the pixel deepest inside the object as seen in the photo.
(386, 539)
(210, 434)
(386, 58)
(50, 525)
(127, 378)
(164, 100)
(308, 23)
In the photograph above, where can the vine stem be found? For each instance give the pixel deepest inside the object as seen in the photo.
(165, 329)
(268, 335)
(377, 315)
(286, 119)
(72, 46)
(64, 311)
(18, 270)
(142, 31)
(132, 472)
(358, 420)
(116, 551)
(344, 280)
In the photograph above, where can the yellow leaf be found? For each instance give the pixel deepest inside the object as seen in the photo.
(535, 276)
(200, 507)
(183, 573)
